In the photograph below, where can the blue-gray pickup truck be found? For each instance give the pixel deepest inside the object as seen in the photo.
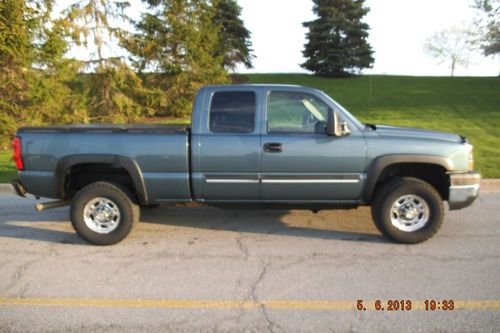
(272, 145)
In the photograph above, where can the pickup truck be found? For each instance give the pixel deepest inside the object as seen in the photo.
(271, 145)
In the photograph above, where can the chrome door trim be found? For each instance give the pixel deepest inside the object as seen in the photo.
(310, 181)
(231, 181)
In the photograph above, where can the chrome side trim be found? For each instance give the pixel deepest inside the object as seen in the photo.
(231, 181)
(310, 181)
(284, 179)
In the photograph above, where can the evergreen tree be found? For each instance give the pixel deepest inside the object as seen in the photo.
(34, 77)
(16, 56)
(113, 92)
(234, 38)
(337, 40)
(177, 40)
(54, 96)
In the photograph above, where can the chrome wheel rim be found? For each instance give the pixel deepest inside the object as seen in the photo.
(409, 213)
(101, 215)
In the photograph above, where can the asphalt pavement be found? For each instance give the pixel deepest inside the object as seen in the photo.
(194, 268)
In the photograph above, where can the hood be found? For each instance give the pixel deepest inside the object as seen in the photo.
(409, 132)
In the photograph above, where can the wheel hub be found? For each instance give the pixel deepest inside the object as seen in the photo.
(101, 215)
(409, 213)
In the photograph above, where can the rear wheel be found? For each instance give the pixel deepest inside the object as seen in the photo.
(408, 210)
(103, 213)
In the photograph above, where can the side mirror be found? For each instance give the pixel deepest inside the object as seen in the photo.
(334, 127)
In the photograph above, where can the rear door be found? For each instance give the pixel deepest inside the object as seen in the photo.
(299, 162)
(227, 145)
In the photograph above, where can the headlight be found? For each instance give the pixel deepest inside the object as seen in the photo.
(470, 162)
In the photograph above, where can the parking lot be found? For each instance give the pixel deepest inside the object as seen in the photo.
(195, 268)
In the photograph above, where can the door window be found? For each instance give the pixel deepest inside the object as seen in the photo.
(295, 112)
(233, 112)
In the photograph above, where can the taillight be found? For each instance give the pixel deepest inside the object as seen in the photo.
(16, 154)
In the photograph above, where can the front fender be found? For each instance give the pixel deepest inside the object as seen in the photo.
(380, 163)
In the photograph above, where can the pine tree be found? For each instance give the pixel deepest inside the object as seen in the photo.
(178, 41)
(16, 55)
(234, 38)
(113, 90)
(54, 96)
(337, 40)
(35, 79)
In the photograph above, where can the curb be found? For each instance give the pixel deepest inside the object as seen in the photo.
(7, 188)
(487, 186)
(490, 185)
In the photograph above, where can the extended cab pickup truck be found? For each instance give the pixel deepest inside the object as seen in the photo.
(274, 145)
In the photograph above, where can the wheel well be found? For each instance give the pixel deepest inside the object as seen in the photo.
(81, 175)
(433, 174)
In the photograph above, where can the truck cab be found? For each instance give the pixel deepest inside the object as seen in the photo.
(270, 144)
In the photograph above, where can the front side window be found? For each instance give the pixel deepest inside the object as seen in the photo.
(233, 112)
(295, 112)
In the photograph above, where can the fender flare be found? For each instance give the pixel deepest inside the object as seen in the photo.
(67, 162)
(380, 163)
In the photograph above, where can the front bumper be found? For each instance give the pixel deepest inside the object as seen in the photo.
(464, 189)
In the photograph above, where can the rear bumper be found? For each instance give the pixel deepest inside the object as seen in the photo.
(464, 189)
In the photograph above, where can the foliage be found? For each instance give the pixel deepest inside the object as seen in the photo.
(34, 76)
(488, 19)
(117, 93)
(452, 45)
(234, 39)
(177, 40)
(337, 40)
(17, 24)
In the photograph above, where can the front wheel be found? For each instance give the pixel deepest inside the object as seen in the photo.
(103, 214)
(408, 210)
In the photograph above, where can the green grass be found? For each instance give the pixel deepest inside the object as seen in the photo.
(7, 168)
(469, 106)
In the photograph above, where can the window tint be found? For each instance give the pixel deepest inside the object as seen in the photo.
(295, 112)
(233, 112)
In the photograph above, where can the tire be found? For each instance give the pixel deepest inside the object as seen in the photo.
(117, 213)
(407, 210)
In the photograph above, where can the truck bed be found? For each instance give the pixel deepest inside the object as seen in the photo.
(159, 152)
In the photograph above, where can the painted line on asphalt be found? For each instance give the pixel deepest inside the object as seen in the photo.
(230, 304)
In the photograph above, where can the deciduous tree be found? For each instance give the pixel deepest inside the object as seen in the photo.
(452, 45)
(488, 21)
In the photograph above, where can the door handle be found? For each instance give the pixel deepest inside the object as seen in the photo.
(273, 147)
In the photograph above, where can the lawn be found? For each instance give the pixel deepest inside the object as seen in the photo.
(468, 106)
(7, 168)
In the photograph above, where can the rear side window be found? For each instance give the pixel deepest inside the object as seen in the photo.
(233, 112)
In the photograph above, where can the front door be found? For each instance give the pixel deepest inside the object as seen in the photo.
(299, 162)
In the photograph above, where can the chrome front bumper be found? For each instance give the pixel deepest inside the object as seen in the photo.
(464, 189)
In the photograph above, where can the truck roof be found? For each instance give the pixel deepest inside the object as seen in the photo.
(269, 85)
